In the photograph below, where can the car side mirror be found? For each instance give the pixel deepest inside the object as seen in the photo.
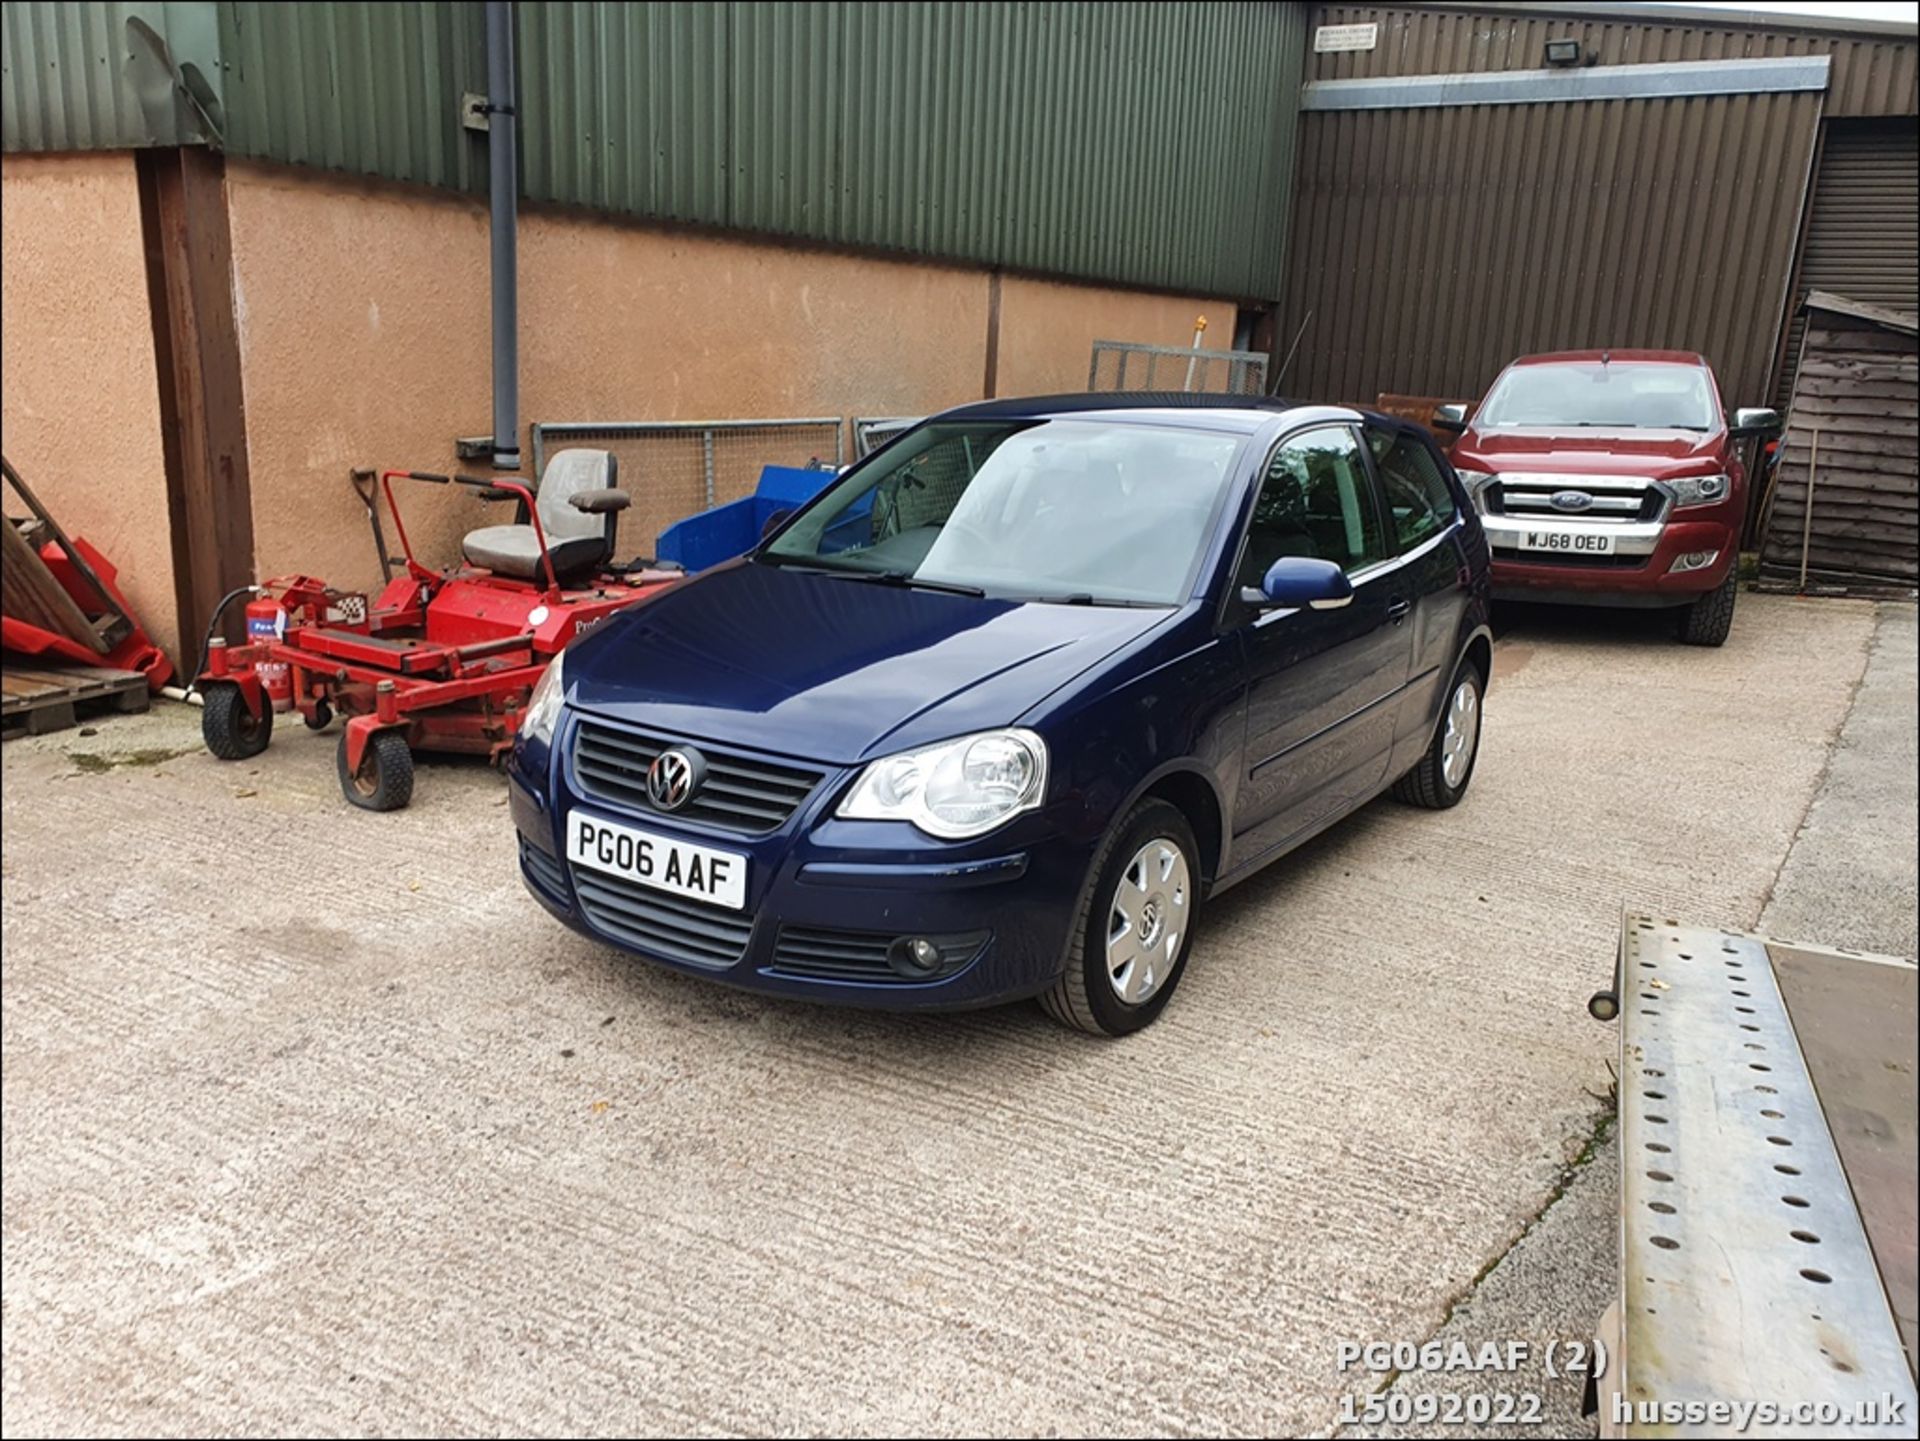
(1300, 582)
(1755, 420)
(774, 521)
(599, 502)
(1450, 418)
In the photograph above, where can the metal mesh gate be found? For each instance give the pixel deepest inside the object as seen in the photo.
(677, 468)
(1127, 365)
(872, 432)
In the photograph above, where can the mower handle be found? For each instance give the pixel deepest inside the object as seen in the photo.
(434, 477)
(495, 489)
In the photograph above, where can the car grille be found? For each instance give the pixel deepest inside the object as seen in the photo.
(661, 924)
(824, 955)
(743, 795)
(1616, 500)
(545, 872)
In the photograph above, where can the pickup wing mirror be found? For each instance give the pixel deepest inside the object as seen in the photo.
(1450, 418)
(1755, 420)
(1300, 582)
(599, 502)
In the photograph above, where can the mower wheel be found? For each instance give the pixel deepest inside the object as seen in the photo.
(321, 718)
(231, 731)
(384, 781)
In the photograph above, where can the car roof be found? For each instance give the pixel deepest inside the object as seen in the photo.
(1240, 414)
(1642, 357)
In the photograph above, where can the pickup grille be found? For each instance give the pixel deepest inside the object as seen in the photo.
(1615, 499)
(741, 794)
(1571, 560)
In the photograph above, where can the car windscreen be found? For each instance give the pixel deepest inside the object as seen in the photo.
(1084, 509)
(1618, 395)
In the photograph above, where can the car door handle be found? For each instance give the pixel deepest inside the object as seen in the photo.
(1398, 609)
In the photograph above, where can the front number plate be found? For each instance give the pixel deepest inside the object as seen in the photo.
(1580, 542)
(696, 872)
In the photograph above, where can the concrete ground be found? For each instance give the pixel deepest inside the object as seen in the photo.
(314, 1122)
(1849, 879)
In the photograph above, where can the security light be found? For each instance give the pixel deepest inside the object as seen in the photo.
(1564, 52)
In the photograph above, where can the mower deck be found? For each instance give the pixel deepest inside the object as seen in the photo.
(442, 661)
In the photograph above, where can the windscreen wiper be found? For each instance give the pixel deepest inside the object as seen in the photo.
(1081, 597)
(907, 578)
(882, 577)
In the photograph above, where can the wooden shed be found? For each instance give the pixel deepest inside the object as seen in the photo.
(1852, 441)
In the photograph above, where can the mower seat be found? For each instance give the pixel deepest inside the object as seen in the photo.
(579, 510)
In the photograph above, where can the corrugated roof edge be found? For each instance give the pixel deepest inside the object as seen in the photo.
(1731, 19)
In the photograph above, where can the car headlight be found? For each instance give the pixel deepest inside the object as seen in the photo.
(1698, 490)
(1476, 482)
(543, 706)
(956, 789)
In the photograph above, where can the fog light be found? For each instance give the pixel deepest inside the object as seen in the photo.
(914, 956)
(1693, 560)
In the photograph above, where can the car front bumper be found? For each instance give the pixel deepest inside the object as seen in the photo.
(1639, 571)
(825, 899)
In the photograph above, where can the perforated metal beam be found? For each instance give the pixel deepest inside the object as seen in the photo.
(1746, 1272)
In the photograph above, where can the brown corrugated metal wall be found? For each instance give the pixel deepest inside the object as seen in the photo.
(1863, 232)
(1872, 75)
(1433, 245)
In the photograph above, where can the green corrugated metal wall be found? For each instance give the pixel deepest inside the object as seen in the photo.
(1142, 143)
(368, 87)
(100, 76)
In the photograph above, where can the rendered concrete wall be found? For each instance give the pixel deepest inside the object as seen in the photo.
(80, 403)
(1047, 330)
(362, 315)
(364, 332)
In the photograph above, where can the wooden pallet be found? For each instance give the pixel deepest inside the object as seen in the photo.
(38, 699)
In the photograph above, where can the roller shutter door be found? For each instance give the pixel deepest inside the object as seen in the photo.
(1863, 237)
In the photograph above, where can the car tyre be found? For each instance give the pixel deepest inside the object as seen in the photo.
(1446, 770)
(384, 781)
(1709, 619)
(231, 731)
(1147, 872)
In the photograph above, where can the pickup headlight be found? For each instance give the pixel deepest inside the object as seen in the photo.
(957, 789)
(543, 706)
(1699, 490)
(1476, 482)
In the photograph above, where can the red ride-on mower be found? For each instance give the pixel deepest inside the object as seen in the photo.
(441, 660)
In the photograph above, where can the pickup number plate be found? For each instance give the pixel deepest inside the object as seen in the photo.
(1580, 542)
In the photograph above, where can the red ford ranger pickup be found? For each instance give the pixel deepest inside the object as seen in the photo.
(1611, 478)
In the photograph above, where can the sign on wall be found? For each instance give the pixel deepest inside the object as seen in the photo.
(1345, 37)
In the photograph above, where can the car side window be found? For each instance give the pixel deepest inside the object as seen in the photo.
(1315, 501)
(1417, 492)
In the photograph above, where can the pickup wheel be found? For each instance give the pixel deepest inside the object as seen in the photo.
(1134, 927)
(1445, 770)
(1709, 619)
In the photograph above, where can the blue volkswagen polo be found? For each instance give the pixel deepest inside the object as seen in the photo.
(998, 712)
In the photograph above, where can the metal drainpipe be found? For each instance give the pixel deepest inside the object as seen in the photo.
(502, 145)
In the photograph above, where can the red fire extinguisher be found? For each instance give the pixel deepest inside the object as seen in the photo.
(266, 624)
